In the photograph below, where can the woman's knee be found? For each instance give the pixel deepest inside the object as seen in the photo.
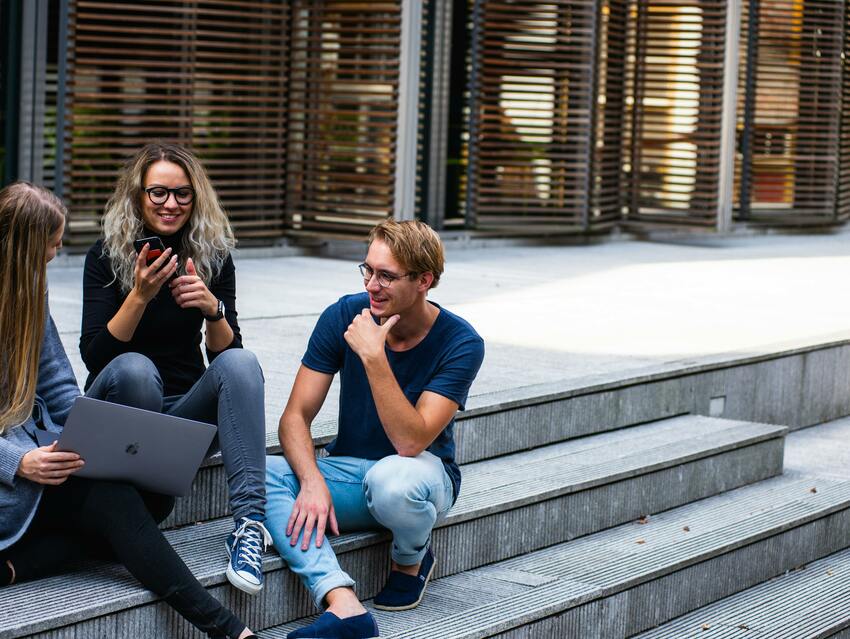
(133, 380)
(238, 360)
(133, 367)
(237, 366)
(159, 506)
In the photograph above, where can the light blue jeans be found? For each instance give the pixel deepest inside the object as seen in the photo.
(407, 495)
(230, 394)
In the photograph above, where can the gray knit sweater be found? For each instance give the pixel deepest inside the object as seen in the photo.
(55, 393)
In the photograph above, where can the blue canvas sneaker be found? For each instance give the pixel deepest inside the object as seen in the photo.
(403, 592)
(329, 626)
(245, 547)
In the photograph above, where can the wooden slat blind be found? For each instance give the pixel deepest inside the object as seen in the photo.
(343, 106)
(796, 94)
(209, 74)
(608, 184)
(674, 102)
(843, 193)
(532, 100)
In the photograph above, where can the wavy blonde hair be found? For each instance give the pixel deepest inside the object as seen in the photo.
(29, 216)
(209, 237)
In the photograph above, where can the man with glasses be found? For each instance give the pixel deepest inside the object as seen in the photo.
(405, 366)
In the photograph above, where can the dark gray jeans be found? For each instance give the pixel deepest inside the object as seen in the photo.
(230, 394)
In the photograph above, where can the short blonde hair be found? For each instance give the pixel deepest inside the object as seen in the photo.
(415, 245)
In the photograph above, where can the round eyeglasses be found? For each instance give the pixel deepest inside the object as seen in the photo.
(159, 194)
(385, 279)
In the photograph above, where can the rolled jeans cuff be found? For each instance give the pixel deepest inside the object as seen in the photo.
(335, 579)
(409, 559)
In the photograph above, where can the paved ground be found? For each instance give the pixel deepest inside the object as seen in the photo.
(557, 313)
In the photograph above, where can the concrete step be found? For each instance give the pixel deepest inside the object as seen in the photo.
(488, 429)
(544, 497)
(621, 581)
(810, 602)
(485, 432)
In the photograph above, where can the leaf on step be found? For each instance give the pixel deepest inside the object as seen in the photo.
(687, 529)
(829, 572)
(641, 541)
(705, 626)
(813, 489)
(643, 520)
(743, 626)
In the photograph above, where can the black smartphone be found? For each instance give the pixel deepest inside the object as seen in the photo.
(154, 251)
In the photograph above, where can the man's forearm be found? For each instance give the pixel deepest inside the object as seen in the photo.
(297, 444)
(402, 423)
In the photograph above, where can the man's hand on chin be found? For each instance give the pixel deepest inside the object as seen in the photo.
(366, 338)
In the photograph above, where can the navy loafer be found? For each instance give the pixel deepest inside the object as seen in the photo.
(403, 592)
(329, 626)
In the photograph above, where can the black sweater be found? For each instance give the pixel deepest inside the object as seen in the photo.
(169, 335)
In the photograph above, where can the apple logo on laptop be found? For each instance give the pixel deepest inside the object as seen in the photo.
(132, 449)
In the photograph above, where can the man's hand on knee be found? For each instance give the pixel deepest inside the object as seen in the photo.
(313, 509)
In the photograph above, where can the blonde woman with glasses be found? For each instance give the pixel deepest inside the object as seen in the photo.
(50, 516)
(161, 274)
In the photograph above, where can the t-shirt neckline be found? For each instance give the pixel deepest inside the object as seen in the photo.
(427, 337)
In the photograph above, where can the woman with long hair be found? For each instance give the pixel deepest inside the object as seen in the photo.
(50, 516)
(142, 322)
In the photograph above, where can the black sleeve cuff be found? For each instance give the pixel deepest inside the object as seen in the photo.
(236, 342)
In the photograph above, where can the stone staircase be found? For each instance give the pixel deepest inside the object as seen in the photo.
(810, 601)
(564, 528)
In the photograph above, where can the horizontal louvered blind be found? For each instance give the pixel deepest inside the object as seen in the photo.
(533, 68)
(674, 102)
(610, 103)
(796, 106)
(49, 140)
(343, 106)
(843, 197)
(208, 74)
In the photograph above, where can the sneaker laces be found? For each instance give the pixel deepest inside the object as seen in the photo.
(252, 538)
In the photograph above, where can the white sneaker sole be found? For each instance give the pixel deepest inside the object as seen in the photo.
(237, 581)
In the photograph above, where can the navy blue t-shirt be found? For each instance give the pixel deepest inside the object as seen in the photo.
(445, 362)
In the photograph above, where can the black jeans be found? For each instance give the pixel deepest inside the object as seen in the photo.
(87, 518)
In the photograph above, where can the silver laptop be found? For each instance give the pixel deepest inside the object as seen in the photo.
(153, 451)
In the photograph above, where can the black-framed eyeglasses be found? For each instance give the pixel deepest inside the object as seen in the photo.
(385, 279)
(159, 194)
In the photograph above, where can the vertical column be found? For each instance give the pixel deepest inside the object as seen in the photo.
(726, 178)
(440, 34)
(474, 83)
(408, 110)
(33, 78)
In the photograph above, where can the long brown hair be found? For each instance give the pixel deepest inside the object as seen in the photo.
(209, 237)
(29, 216)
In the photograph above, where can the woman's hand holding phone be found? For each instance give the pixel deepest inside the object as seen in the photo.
(149, 278)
